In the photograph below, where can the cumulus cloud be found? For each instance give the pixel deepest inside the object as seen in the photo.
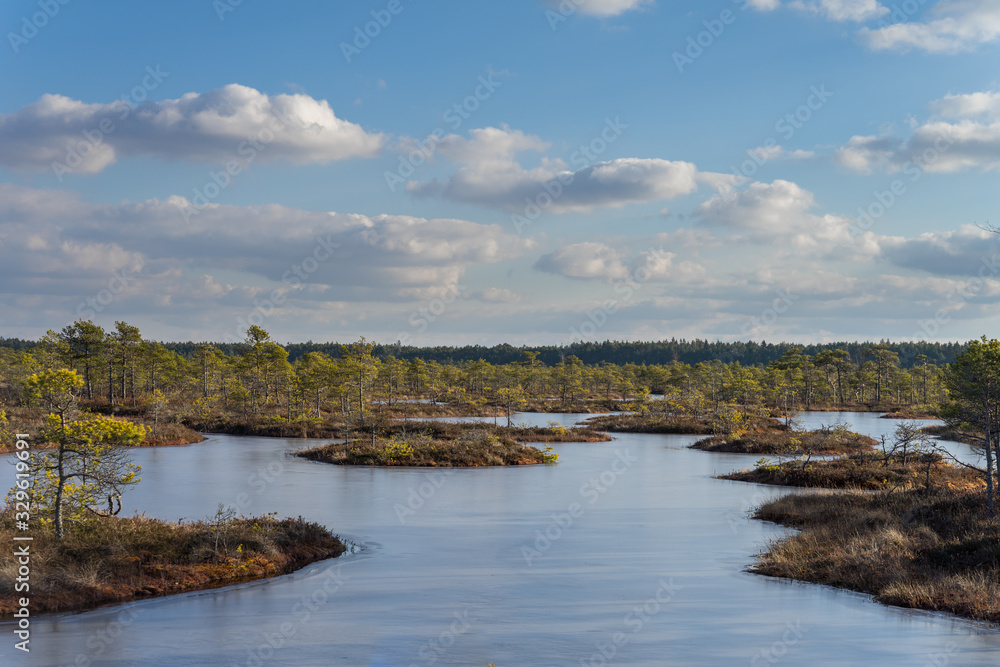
(605, 8)
(778, 210)
(584, 261)
(490, 175)
(965, 135)
(777, 152)
(779, 215)
(955, 26)
(228, 250)
(971, 105)
(832, 10)
(489, 144)
(498, 295)
(843, 10)
(231, 123)
(763, 5)
(598, 261)
(956, 253)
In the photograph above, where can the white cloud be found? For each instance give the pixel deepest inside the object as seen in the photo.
(490, 175)
(211, 127)
(763, 5)
(768, 153)
(586, 260)
(972, 105)
(489, 144)
(498, 295)
(843, 10)
(604, 8)
(597, 261)
(958, 25)
(969, 140)
(318, 256)
(960, 252)
(832, 10)
(775, 212)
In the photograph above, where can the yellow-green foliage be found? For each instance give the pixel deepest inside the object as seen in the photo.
(549, 455)
(556, 427)
(396, 450)
(6, 437)
(94, 465)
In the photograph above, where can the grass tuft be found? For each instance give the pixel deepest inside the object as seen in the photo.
(939, 552)
(109, 559)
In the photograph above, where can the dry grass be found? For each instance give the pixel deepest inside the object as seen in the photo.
(111, 559)
(938, 552)
(916, 412)
(268, 426)
(168, 432)
(433, 410)
(789, 443)
(474, 448)
(652, 423)
(863, 471)
(449, 444)
(852, 407)
(575, 406)
(458, 430)
(945, 432)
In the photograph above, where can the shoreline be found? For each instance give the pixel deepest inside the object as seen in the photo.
(783, 442)
(274, 568)
(896, 547)
(128, 571)
(47, 446)
(911, 531)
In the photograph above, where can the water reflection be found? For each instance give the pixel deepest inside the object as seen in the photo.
(643, 562)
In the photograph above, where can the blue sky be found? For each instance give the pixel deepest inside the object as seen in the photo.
(583, 188)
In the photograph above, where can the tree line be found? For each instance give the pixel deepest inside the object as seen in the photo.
(120, 368)
(84, 366)
(695, 351)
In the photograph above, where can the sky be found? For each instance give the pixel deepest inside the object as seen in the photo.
(528, 172)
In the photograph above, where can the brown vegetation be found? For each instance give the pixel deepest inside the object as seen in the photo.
(652, 423)
(110, 559)
(478, 430)
(914, 412)
(171, 434)
(474, 447)
(945, 432)
(30, 420)
(939, 552)
(270, 427)
(402, 409)
(789, 443)
(864, 471)
(577, 406)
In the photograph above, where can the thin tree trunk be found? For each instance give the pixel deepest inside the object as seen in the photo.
(992, 436)
(60, 480)
(989, 458)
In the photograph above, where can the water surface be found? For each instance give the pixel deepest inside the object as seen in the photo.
(627, 549)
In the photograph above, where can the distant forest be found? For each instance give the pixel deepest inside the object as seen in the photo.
(612, 352)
